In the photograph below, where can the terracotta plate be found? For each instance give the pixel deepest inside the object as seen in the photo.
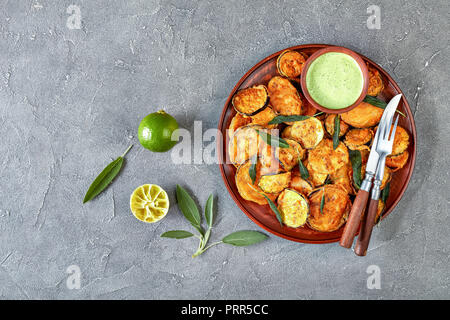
(261, 73)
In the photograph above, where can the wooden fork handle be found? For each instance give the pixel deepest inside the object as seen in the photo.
(366, 228)
(354, 219)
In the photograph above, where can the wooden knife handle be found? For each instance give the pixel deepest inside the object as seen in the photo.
(366, 229)
(351, 227)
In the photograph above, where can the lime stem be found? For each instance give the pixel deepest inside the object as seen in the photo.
(126, 151)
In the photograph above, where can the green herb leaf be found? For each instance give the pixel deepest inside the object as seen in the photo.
(105, 177)
(209, 213)
(177, 234)
(281, 119)
(385, 192)
(273, 140)
(355, 158)
(327, 180)
(189, 208)
(322, 202)
(379, 103)
(337, 129)
(303, 170)
(244, 238)
(252, 169)
(274, 209)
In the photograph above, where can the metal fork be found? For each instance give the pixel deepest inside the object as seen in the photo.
(383, 148)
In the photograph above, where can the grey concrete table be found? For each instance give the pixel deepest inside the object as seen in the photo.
(71, 100)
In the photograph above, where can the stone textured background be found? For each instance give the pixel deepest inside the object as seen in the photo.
(71, 101)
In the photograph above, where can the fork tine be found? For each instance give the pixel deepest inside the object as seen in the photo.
(393, 130)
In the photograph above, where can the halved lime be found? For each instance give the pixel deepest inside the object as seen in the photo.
(149, 203)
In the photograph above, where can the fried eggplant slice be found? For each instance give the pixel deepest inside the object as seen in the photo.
(244, 144)
(284, 97)
(250, 101)
(274, 183)
(289, 157)
(262, 118)
(401, 141)
(293, 207)
(335, 206)
(329, 125)
(238, 121)
(375, 82)
(290, 64)
(363, 116)
(398, 161)
(325, 160)
(308, 132)
(301, 185)
(247, 190)
(357, 139)
(386, 177)
(343, 178)
(317, 179)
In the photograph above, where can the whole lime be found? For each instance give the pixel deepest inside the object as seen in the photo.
(155, 132)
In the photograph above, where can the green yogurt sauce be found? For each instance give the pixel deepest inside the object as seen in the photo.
(334, 80)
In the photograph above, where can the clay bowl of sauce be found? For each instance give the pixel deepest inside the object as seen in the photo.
(335, 79)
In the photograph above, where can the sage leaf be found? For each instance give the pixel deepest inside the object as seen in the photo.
(379, 103)
(385, 192)
(189, 208)
(304, 173)
(322, 201)
(177, 234)
(273, 140)
(281, 119)
(244, 238)
(105, 177)
(209, 212)
(274, 209)
(355, 159)
(337, 129)
(252, 169)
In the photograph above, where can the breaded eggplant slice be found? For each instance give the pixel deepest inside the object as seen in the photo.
(343, 178)
(325, 160)
(290, 64)
(284, 97)
(386, 177)
(250, 101)
(308, 132)
(329, 125)
(268, 157)
(375, 82)
(363, 116)
(336, 207)
(244, 144)
(316, 179)
(238, 121)
(274, 183)
(357, 139)
(401, 141)
(264, 117)
(293, 207)
(398, 161)
(301, 185)
(289, 157)
(247, 190)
